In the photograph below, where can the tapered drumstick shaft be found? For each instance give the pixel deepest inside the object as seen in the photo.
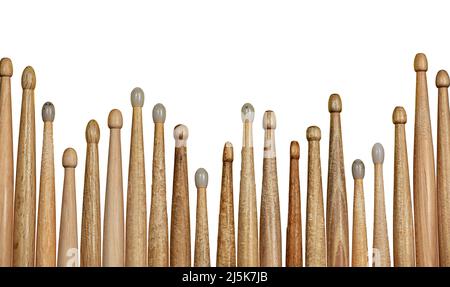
(359, 239)
(201, 254)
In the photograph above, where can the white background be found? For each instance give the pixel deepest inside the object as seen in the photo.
(204, 59)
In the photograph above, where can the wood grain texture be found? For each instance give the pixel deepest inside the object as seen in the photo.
(360, 256)
(25, 194)
(6, 165)
(90, 248)
(404, 245)
(294, 257)
(226, 245)
(201, 251)
(316, 244)
(425, 195)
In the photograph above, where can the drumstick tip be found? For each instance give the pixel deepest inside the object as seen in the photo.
(377, 153)
(420, 63)
(295, 150)
(358, 169)
(180, 133)
(137, 97)
(313, 133)
(442, 79)
(335, 104)
(28, 78)
(228, 152)
(201, 178)
(399, 115)
(69, 159)
(48, 112)
(92, 132)
(247, 113)
(159, 113)
(115, 120)
(269, 120)
(6, 68)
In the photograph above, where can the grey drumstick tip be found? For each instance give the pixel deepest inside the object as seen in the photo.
(358, 169)
(377, 153)
(247, 113)
(159, 113)
(201, 178)
(48, 112)
(137, 97)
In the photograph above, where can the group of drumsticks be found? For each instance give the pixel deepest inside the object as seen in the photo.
(422, 240)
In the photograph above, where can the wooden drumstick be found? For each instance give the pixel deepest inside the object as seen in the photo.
(6, 165)
(359, 243)
(180, 230)
(248, 249)
(113, 227)
(294, 228)
(201, 253)
(425, 195)
(316, 244)
(158, 235)
(136, 226)
(443, 168)
(226, 248)
(337, 214)
(90, 222)
(25, 194)
(381, 257)
(404, 249)
(68, 235)
(46, 226)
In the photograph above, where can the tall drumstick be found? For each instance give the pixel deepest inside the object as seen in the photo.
(337, 214)
(316, 244)
(6, 165)
(46, 226)
(425, 196)
(294, 228)
(136, 227)
(381, 257)
(158, 235)
(226, 249)
(248, 250)
(443, 167)
(68, 235)
(25, 195)
(359, 242)
(404, 249)
(180, 228)
(90, 223)
(113, 227)
(201, 253)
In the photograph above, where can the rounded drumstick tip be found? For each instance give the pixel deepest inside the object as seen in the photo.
(442, 79)
(28, 78)
(159, 113)
(420, 63)
(92, 132)
(137, 97)
(247, 113)
(399, 116)
(69, 159)
(228, 152)
(201, 178)
(295, 150)
(269, 121)
(115, 120)
(313, 133)
(6, 68)
(335, 104)
(180, 134)
(358, 169)
(48, 112)
(377, 153)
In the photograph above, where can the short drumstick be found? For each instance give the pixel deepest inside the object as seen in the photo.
(359, 238)
(158, 234)
(90, 222)
(180, 230)
(68, 235)
(113, 227)
(6, 165)
(25, 194)
(248, 250)
(404, 248)
(294, 228)
(316, 244)
(226, 245)
(46, 226)
(201, 253)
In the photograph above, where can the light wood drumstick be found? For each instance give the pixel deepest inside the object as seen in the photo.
(337, 214)
(359, 243)
(404, 248)
(90, 223)
(68, 235)
(113, 227)
(381, 257)
(158, 235)
(425, 195)
(25, 194)
(201, 253)
(248, 249)
(226, 248)
(6, 165)
(180, 230)
(294, 228)
(136, 227)
(46, 226)
(316, 244)
(443, 168)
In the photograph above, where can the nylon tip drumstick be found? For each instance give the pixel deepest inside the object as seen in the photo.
(137, 97)
(359, 242)
(159, 113)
